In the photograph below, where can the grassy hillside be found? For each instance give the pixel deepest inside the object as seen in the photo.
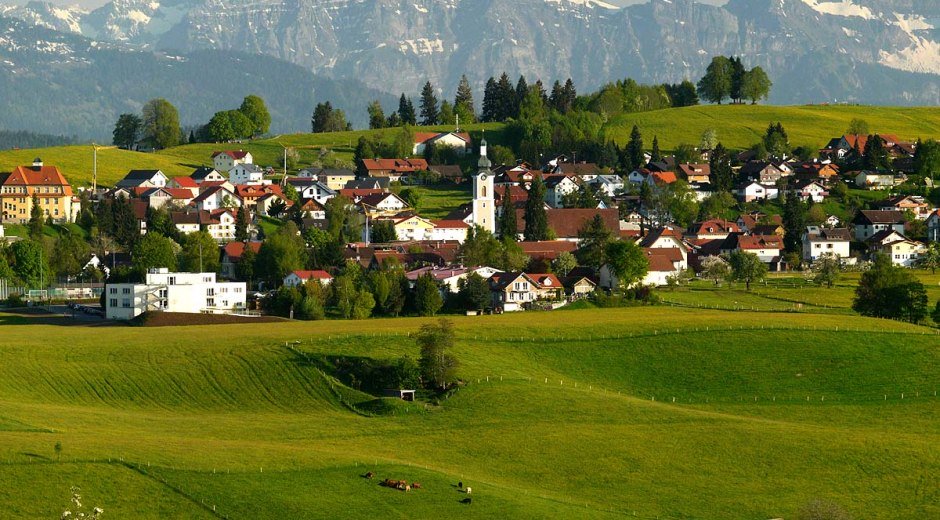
(740, 126)
(679, 416)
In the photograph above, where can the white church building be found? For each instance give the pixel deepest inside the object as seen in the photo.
(484, 203)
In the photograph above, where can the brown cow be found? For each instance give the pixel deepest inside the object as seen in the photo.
(415, 485)
(369, 475)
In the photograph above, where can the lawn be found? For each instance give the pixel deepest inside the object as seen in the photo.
(738, 126)
(436, 201)
(682, 413)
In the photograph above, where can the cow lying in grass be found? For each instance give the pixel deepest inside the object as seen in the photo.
(397, 484)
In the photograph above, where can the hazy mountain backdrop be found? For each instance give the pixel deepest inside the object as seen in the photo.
(815, 51)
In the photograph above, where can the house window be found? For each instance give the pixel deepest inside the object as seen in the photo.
(210, 291)
(113, 302)
(171, 280)
(112, 290)
(126, 303)
(126, 290)
(210, 302)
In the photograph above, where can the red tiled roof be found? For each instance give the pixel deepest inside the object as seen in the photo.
(566, 222)
(698, 170)
(659, 263)
(235, 250)
(664, 177)
(185, 182)
(674, 254)
(546, 280)
(713, 226)
(455, 224)
(318, 274)
(38, 176)
(548, 249)
(234, 154)
(760, 242)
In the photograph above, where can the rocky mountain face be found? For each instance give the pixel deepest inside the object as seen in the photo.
(63, 84)
(868, 51)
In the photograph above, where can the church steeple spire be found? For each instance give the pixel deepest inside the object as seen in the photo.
(484, 162)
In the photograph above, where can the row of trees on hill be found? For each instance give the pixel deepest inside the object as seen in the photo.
(158, 125)
(727, 78)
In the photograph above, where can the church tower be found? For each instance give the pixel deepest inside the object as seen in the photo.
(484, 205)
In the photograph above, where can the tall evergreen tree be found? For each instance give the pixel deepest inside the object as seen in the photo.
(36, 220)
(634, 149)
(463, 101)
(656, 155)
(794, 223)
(721, 172)
(571, 95)
(490, 109)
(508, 228)
(430, 112)
(556, 99)
(876, 156)
(737, 79)
(506, 98)
(406, 111)
(241, 224)
(536, 219)
(522, 89)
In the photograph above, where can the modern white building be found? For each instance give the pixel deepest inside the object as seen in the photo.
(194, 293)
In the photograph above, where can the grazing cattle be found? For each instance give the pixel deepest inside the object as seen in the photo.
(407, 488)
(469, 490)
(369, 475)
(460, 485)
(466, 500)
(415, 485)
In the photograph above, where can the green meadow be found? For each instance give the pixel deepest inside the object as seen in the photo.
(645, 412)
(738, 127)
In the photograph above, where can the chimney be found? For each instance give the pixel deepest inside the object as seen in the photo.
(37, 163)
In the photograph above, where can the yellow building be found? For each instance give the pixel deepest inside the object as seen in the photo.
(52, 191)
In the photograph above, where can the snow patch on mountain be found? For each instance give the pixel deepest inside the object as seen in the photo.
(586, 3)
(422, 46)
(841, 8)
(922, 56)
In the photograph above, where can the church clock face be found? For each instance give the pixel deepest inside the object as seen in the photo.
(483, 177)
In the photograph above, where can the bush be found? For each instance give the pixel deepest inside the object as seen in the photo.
(15, 300)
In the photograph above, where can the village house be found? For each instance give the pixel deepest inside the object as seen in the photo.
(869, 222)
(933, 226)
(247, 174)
(809, 190)
(657, 179)
(220, 223)
(310, 208)
(163, 197)
(297, 278)
(250, 193)
(819, 241)
(712, 229)
(582, 170)
(515, 291)
(763, 172)
(52, 191)
(143, 179)
(335, 178)
(216, 197)
(661, 267)
(455, 230)
(382, 205)
(308, 188)
(638, 176)
(174, 292)
(870, 180)
(749, 221)
(459, 141)
(394, 169)
(768, 248)
(901, 250)
(204, 174)
(184, 183)
(903, 203)
(609, 185)
(448, 277)
(567, 222)
(368, 183)
(579, 285)
(695, 172)
(226, 160)
(265, 202)
(556, 187)
(410, 227)
(547, 250)
(232, 254)
(754, 191)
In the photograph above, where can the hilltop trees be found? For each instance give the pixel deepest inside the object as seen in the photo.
(126, 131)
(256, 111)
(430, 113)
(406, 111)
(327, 119)
(727, 78)
(160, 124)
(463, 101)
(229, 125)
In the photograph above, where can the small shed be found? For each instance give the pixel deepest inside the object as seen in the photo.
(404, 395)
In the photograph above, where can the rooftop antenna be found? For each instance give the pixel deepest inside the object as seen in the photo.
(94, 174)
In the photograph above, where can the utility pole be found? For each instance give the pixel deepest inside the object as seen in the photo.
(200, 256)
(94, 175)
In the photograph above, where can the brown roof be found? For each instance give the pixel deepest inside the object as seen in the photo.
(659, 262)
(566, 222)
(396, 165)
(456, 224)
(674, 254)
(548, 249)
(867, 216)
(253, 191)
(581, 168)
(760, 242)
(688, 170)
(235, 250)
(714, 226)
(317, 274)
(38, 176)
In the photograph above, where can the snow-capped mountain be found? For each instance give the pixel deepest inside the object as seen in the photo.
(868, 51)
